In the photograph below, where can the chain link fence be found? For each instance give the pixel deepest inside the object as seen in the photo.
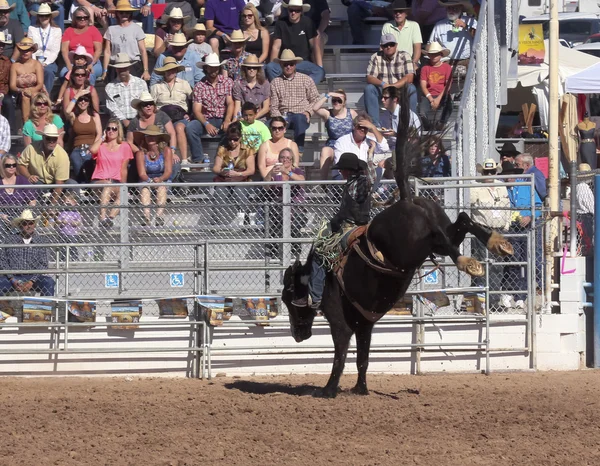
(237, 239)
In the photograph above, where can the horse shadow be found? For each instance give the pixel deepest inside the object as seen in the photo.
(267, 388)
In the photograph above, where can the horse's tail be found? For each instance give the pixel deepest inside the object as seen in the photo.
(408, 152)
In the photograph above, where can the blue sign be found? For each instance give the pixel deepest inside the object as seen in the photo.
(432, 278)
(111, 280)
(176, 280)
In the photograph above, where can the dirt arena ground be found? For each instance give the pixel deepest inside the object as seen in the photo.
(529, 419)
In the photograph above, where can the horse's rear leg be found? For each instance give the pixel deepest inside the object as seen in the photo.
(493, 241)
(363, 346)
(444, 246)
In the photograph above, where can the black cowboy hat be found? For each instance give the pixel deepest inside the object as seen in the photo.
(399, 5)
(349, 161)
(509, 168)
(508, 148)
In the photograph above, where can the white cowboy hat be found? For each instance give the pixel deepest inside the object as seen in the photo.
(144, 97)
(122, 61)
(169, 64)
(236, 36)
(44, 10)
(288, 55)
(26, 216)
(49, 130)
(179, 40)
(200, 27)
(80, 50)
(436, 47)
(4, 6)
(296, 3)
(212, 59)
(488, 164)
(176, 13)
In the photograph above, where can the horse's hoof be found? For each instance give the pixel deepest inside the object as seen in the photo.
(326, 392)
(470, 266)
(499, 245)
(360, 390)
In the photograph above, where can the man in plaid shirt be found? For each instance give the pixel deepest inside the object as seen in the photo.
(293, 96)
(25, 258)
(212, 105)
(388, 67)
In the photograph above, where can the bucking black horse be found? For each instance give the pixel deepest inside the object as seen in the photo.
(377, 269)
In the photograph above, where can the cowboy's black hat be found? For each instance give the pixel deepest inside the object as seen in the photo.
(509, 149)
(509, 168)
(349, 161)
(399, 5)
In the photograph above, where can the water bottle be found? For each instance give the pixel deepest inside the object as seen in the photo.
(206, 159)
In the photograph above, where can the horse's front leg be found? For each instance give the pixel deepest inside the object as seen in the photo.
(363, 346)
(341, 340)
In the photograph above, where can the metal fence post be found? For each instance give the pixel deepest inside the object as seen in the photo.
(287, 221)
(596, 271)
(573, 209)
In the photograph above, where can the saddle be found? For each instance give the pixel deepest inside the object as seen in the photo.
(374, 259)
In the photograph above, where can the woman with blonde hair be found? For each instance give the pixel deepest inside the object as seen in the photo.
(257, 37)
(26, 75)
(112, 160)
(252, 87)
(39, 116)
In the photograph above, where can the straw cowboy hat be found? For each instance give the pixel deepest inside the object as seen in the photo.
(144, 97)
(399, 5)
(585, 167)
(488, 164)
(236, 36)
(169, 64)
(296, 3)
(251, 61)
(50, 131)
(81, 51)
(212, 59)
(154, 130)
(122, 5)
(288, 55)
(436, 47)
(122, 61)
(179, 40)
(176, 13)
(4, 6)
(199, 28)
(26, 216)
(44, 10)
(27, 43)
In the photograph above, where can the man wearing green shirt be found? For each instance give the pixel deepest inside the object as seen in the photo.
(407, 33)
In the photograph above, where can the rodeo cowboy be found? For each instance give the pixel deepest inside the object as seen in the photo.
(354, 211)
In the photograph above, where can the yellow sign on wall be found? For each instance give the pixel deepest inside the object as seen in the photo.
(531, 44)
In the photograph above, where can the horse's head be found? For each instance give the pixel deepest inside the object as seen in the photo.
(295, 284)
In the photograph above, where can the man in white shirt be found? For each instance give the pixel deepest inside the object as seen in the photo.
(121, 91)
(390, 117)
(364, 135)
(456, 32)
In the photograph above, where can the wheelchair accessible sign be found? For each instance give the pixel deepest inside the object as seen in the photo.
(176, 280)
(432, 278)
(111, 280)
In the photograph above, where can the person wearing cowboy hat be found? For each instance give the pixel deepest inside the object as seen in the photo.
(388, 67)
(173, 24)
(297, 34)
(126, 37)
(12, 29)
(172, 95)
(26, 75)
(407, 33)
(199, 44)
(232, 67)
(455, 32)
(47, 35)
(320, 15)
(25, 258)
(354, 210)
(222, 17)
(142, 15)
(436, 78)
(8, 103)
(45, 162)
(252, 87)
(123, 89)
(293, 96)
(178, 50)
(508, 152)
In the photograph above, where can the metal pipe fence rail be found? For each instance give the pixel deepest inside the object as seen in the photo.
(203, 246)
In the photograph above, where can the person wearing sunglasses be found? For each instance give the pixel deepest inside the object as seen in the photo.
(148, 114)
(82, 32)
(338, 122)
(40, 115)
(298, 34)
(257, 37)
(235, 162)
(10, 195)
(388, 67)
(86, 131)
(172, 24)
(47, 35)
(252, 87)
(268, 152)
(26, 75)
(12, 29)
(79, 80)
(112, 161)
(407, 33)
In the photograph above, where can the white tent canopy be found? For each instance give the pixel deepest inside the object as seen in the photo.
(584, 82)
